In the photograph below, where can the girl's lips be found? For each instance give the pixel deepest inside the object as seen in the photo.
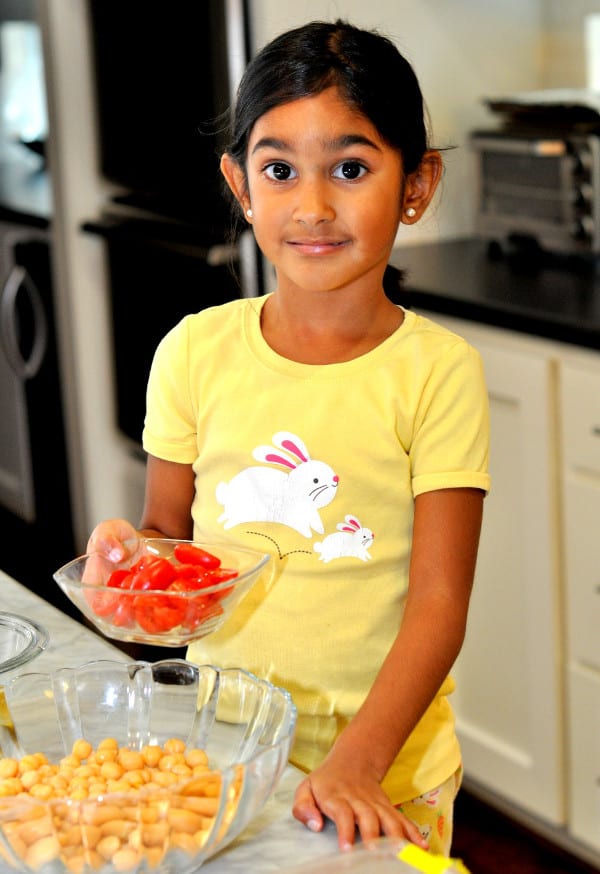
(317, 247)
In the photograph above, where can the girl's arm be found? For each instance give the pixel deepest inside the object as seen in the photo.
(346, 786)
(167, 510)
(168, 500)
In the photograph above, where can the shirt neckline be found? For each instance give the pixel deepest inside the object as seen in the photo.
(261, 349)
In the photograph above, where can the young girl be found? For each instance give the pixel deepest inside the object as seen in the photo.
(345, 435)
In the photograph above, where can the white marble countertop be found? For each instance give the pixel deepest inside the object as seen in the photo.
(274, 840)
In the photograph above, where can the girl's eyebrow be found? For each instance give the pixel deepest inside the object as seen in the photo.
(330, 145)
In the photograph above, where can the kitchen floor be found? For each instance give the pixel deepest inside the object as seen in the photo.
(488, 842)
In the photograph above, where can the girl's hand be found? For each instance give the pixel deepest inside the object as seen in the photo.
(110, 538)
(352, 798)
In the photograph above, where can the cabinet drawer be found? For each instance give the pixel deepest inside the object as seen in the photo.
(580, 402)
(584, 756)
(582, 512)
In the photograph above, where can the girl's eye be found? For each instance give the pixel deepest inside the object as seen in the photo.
(350, 170)
(279, 171)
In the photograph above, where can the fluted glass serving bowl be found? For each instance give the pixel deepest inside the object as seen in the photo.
(156, 816)
(154, 611)
(21, 641)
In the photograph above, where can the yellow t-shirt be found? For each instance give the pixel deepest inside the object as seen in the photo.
(319, 465)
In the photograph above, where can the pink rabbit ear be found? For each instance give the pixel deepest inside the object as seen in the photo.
(346, 528)
(353, 522)
(279, 459)
(295, 450)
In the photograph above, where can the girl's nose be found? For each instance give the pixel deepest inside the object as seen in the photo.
(313, 205)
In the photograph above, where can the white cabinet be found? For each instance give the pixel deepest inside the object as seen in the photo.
(580, 403)
(508, 701)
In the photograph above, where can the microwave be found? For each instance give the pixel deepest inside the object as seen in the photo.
(539, 190)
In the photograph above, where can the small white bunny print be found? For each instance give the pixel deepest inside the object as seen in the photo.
(350, 540)
(268, 494)
(430, 799)
(424, 830)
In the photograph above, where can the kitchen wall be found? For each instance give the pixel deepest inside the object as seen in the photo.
(461, 51)
(563, 55)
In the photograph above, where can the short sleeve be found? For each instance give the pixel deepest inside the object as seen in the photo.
(170, 426)
(450, 446)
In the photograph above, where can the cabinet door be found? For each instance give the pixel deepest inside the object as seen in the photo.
(584, 764)
(508, 674)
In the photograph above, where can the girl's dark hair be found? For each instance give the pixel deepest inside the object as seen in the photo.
(365, 66)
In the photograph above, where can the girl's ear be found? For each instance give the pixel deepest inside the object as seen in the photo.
(420, 187)
(236, 179)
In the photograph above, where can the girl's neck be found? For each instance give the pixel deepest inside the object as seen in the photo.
(327, 327)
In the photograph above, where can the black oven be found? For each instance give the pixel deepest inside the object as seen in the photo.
(158, 273)
(164, 77)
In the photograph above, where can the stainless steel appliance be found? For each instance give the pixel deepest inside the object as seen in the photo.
(539, 173)
(545, 188)
(35, 505)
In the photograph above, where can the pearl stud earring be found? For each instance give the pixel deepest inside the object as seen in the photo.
(249, 213)
(411, 212)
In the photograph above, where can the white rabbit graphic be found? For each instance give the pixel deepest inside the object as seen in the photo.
(350, 540)
(430, 798)
(266, 494)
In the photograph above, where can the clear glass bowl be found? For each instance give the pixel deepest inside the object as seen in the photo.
(21, 640)
(118, 612)
(244, 724)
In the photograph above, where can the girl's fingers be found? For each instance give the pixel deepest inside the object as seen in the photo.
(397, 825)
(305, 808)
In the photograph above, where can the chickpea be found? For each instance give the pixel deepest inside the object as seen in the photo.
(125, 858)
(81, 749)
(128, 828)
(196, 757)
(42, 851)
(108, 846)
(8, 768)
(131, 760)
(174, 745)
(42, 791)
(111, 770)
(152, 754)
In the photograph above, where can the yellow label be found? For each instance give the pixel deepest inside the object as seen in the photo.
(423, 861)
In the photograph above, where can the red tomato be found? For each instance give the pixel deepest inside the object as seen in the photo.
(185, 585)
(199, 610)
(102, 603)
(157, 613)
(187, 553)
(123, 616)
(189, 572)
(157, 574)
(117, 578)
(222, 574)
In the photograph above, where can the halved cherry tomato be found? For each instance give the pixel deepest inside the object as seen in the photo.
(156, 613)
(192, 570)
(157, 574)
(199, 610)
(102, 603)
(117, 578)
(187, 553)
(123, 616)
(189, 571)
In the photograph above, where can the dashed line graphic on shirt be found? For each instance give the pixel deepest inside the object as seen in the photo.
(281, 554)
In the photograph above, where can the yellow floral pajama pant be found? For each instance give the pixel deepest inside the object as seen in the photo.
(432, 813)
